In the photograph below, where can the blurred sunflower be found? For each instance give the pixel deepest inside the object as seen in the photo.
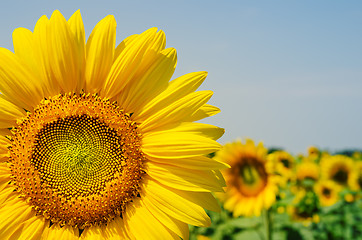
(251, 184)
(307, 171)
(283, 164)
(304, 208)
(102, 145)
(327, 192)
(356, 182)
(313, 151)
(338, 168)
(300, 215)
(357, 155)
(314, 154)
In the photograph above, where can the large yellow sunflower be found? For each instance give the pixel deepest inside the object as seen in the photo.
(96, 142)
(338, 168)
(251, 185)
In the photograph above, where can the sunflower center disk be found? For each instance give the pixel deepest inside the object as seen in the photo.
(77, 159)
(77, 155)
(285, 163)
(341, 176)
(326, 192)
(253, 177)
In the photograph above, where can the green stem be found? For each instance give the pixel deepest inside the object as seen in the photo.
(267, 224)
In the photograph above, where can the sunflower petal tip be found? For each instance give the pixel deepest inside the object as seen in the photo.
(152, 30)
(56, 12)
(77, 13)
(111, 17)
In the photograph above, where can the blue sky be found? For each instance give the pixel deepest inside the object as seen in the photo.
(287, 73)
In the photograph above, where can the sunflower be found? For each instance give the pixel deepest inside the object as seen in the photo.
(356, 182)
(252, 186)
(283, 164)
(305, 176)
(96, 142)
(307, 170)
(299, 215)
(304, 207)
(338, 168)
(313, 151)
(327, 192)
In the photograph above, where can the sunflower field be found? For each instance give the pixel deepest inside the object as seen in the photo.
(272, 194)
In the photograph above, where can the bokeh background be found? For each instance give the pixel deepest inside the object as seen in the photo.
(284, 72)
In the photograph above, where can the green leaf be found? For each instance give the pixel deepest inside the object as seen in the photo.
(244, 222)
(247, 234)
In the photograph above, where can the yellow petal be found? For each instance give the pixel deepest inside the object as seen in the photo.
(177, 111)
(127, 63)
(230, 202)
(123, 45)
(143, 225)
(176, 90)
(77, 28)
(5, 132)
(4, 143)
(100, 51)
(7, 194)
(93, 233)
(5, 173)
(159, 43)
(55, 232)
(9, 113)
(62, 53)
(31, 229)
(42, 57)
(174, 205)
(156, 43)
(153, 81)
(184, 179)
(204, 112)
(201, 129)
(115, 230)
(204, 199)
(178, 145)
(197, 163)
(12, 214)
(23, 41)
(219, 176)
(17, 83)
(178, 227)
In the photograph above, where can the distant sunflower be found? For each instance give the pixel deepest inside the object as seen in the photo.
(356, 182)
(102, 145)
(357, 155)
(251, 185)
(307, 170)
(304, 207)
(302, 216)
(313, 151)
(338, 168)
(327, 192)
(283, 163)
